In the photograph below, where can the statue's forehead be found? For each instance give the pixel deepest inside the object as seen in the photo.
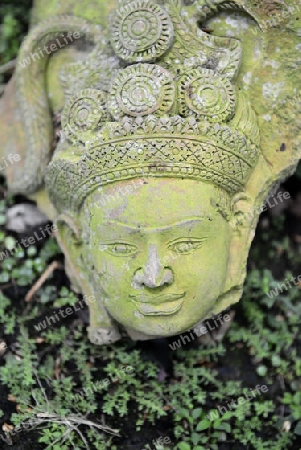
(155, 203)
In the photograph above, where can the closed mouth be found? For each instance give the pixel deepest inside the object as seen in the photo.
(160, 305)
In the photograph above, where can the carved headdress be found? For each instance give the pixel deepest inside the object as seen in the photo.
(163, 104)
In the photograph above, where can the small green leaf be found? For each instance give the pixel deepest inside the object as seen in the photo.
(4, 277)
(203, 425)
(2, 219)
(196, 413)
(298, 429)
(184, 446)
(10, 242)
(276, 361)
(32, 250)
(224, 426)
(262, 370)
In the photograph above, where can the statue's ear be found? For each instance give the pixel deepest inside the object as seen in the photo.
(102, 329)
(69, 238)
(242, 222)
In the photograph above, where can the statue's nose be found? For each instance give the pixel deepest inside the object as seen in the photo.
(153, 274)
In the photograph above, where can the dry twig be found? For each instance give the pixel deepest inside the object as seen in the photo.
(39, 283)
(8, 66)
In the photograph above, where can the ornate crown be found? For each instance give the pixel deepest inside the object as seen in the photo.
(156, 100)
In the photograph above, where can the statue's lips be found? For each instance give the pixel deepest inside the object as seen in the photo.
(164, 305)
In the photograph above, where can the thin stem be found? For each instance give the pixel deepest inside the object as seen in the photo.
(8, 66)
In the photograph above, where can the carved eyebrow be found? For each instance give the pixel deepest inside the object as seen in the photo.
(191, 221)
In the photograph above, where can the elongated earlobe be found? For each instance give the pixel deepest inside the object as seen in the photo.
(242, 223)
(69, 235)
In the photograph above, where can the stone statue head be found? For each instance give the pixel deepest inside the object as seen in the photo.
(156, 171)
(150, 173)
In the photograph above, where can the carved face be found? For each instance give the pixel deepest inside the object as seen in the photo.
(158, 251)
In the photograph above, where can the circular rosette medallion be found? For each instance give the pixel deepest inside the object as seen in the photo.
(141, 31)
(141, 90)
(85, 113)
(207, 94)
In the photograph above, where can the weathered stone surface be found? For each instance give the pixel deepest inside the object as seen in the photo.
(172, 136)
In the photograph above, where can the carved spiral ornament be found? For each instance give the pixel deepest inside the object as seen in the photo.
(85, 112)
(141, 31)
(207, 94)
(141, 90)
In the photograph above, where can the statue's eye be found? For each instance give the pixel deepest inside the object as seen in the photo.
(185, 246)
(120, 249)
